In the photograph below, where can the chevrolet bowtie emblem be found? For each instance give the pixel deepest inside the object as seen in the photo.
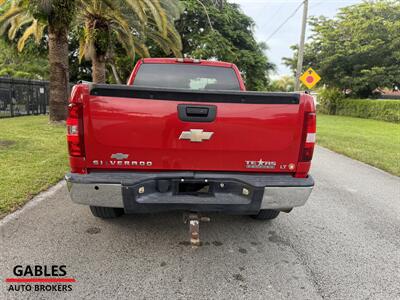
(196, 135)
(119, 156)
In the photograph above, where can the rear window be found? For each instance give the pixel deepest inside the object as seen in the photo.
(185, 76)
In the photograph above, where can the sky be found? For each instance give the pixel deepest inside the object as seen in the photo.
(270, 14)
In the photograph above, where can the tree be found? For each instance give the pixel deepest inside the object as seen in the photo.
(282, 84)
(128, 24)
(358, 50)
(31, 64)
(230, 37)
(33, 17)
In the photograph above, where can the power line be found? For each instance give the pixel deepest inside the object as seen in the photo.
(284, 22)
(346, 2)
(313, 5)
(317, 4)
(276, 12)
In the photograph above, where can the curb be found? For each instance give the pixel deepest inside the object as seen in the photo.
(33, 202)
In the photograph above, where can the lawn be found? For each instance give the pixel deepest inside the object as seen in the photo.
(33, 156)
(374, 142)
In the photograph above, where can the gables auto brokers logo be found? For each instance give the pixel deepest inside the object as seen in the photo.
(40, 278)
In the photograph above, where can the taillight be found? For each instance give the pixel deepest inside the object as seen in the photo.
(309, 137)
(75, 130)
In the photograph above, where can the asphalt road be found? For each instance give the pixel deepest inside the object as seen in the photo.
(344, 244)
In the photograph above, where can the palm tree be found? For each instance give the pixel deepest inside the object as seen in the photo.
(33, 17)
(129, 23)
(284, 84)
(154, 19)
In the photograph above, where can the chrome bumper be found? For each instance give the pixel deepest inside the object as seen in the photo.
(111, 194)
(105, 195)
(282, 198)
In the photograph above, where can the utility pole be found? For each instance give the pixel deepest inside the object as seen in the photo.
(301, 48)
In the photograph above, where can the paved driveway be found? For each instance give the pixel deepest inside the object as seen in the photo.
(344, 244)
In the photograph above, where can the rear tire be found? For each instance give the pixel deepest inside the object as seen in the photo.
(266, 214)
(106, 212)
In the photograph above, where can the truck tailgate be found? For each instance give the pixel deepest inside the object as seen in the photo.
(139, 128)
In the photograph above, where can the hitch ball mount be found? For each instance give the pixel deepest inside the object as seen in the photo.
(194, 220)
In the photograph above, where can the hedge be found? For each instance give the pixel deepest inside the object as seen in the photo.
(384, 110)
(332, 101)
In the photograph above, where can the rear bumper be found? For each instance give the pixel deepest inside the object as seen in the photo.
(142, 192)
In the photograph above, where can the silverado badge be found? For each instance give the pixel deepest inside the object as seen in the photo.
(119, 159)
(196, 135)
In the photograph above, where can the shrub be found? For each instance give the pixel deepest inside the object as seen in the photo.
(328, 99)
(384, 110)
(333, 102)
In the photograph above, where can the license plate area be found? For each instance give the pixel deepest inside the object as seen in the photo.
(194, 188)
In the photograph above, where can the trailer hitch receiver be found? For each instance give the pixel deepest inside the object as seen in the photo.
(194, 220)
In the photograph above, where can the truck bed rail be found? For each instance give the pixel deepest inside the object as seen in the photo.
(151, 93)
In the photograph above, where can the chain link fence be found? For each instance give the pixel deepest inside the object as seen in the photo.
(19, 97)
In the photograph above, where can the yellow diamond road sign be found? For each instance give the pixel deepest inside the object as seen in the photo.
(310, 78)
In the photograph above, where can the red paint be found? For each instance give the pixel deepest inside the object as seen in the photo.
(39, 279)
(150, 130)
(309, 79)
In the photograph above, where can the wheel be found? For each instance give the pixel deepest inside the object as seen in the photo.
(106, 212)
(266, 214)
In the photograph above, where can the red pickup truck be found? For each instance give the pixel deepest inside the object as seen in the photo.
(183, 134)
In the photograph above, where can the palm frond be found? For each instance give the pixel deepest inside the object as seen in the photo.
(16, 18)
(130, 23)
(138, 9)
(158, 15)
(35, 29)
(17, 23)
(10, 13)
(173, 9)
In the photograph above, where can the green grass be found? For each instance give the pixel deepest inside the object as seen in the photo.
(376, 143)
(33, 156)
